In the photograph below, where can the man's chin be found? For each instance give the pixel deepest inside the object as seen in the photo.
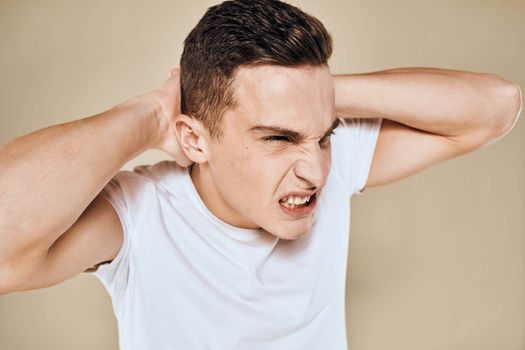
(290, 238)
(289, 235)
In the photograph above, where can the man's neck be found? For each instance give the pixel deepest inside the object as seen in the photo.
(202, 179)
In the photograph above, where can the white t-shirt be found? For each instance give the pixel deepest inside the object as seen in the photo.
(184, 279)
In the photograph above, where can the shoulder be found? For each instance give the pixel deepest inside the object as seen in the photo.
(353, 137)
(159, 177)
(353, 147)
(131, 191)
(141, 179)
(152, 173)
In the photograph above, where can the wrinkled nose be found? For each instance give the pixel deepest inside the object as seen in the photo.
(314, 167)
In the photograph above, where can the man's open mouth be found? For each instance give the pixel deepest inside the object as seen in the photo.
(292, 202)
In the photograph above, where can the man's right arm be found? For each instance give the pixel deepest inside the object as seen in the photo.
(49, 178)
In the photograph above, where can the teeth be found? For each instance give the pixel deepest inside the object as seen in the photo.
(291, 206)
(293, 201)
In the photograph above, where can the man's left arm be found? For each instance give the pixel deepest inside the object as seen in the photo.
(429, 115)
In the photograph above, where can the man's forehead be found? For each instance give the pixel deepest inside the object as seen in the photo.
(284, 100)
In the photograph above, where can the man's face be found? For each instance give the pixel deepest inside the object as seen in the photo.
(254, 167)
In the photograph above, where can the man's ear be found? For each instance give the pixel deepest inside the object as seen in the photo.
(192, 137)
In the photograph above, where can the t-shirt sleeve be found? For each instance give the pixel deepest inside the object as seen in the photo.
(353, 147)
(126, 192)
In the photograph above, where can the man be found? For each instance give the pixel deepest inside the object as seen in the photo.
(241, 242)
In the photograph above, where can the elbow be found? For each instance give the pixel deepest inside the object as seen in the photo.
(508, 108)
(7, 284)
(9, 277)
(505, 108)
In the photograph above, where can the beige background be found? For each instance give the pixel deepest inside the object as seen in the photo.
(437, 261)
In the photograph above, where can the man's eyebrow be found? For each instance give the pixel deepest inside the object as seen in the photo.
(291, 134)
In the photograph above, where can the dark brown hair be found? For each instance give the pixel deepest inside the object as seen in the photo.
(243, 33)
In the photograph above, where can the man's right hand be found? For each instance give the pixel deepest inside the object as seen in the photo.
(169, 109)
(163, 105)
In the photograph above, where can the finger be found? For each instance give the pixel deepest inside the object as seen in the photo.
(172, 81)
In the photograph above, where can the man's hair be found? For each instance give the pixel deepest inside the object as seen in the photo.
(243, 33)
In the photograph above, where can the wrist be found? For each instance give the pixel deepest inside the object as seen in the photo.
(142, 114)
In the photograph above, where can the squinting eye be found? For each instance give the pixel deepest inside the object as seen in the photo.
(286, 139)
(276, 138)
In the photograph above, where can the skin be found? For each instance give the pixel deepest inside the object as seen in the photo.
(242, 178)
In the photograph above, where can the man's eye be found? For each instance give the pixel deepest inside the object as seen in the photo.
(276, 138)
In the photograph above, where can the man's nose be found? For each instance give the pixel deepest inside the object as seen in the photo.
(313, 167)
